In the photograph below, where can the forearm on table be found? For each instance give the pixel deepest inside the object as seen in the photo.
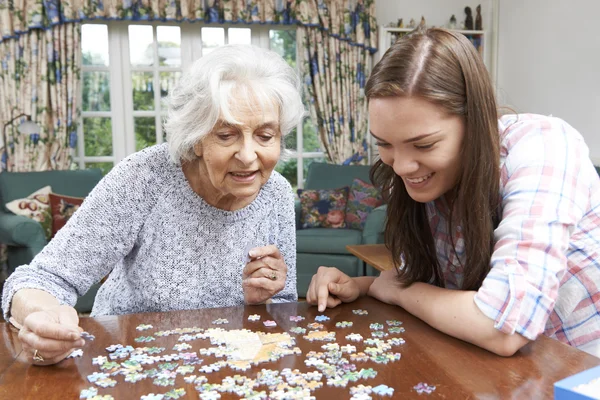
(364, 283)
(27, 301)
(455, 313)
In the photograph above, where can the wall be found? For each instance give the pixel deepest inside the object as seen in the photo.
(549, 62)
(436, 12)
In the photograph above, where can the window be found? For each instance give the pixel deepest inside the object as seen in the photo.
(129, 68)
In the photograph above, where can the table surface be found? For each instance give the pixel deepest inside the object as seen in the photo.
(457, 369)
(376, 255)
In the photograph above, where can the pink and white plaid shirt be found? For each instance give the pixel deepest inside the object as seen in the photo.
(545, 268)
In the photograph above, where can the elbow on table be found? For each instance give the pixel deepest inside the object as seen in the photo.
(507, 345)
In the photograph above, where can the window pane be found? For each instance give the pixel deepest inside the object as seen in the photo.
(141, 52)
(169, 46)
(310, 137)
(94, 44)
(145, 132)
(142, 84)
(97, 136)
(211, 39)
(239, 35)
(291, 140)
(289, 169)
(167, 81)
(96, 91)
(283, 42)
(104, 166)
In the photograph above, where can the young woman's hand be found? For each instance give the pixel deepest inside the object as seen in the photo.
(329, 287)
(49, 336)
(264, 276)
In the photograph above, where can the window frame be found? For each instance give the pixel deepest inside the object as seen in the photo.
(121, 112)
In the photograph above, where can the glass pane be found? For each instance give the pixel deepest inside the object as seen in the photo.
(283, 42)
(167, 81)
(291, 140)
(104, 166)
(94, 44)
(310, 137)
(142, 84)
(141, 51)
(97, 136)
(96, 91)
(239, 35)
(211, 39)
(169, 46)
(145, 132)
(289, 169)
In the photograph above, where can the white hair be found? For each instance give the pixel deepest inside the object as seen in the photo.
(215, 82)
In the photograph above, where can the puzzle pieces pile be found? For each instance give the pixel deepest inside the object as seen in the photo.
(337, 365)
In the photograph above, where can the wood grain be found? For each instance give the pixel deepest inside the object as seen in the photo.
(458, 369)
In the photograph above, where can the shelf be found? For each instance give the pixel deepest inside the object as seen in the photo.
(463, 31)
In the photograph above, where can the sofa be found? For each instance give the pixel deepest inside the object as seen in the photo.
(317, 247)
(25, 237)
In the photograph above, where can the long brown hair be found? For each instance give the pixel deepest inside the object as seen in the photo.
(444, 68)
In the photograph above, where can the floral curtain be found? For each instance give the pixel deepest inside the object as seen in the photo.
(336, 46)
(39, 77)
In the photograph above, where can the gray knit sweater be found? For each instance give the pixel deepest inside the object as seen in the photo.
(164, 247)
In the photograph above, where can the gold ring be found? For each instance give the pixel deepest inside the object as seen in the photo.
(273, 276)
(37, 357)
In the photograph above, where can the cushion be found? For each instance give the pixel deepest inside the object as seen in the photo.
(323, 208)
(62, 208)
(362, 199)
(35, 206)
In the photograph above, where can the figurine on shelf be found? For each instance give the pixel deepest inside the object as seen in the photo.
(452, 24)
(478, 23)
(412, 24)
(468, 19)
(400, 23)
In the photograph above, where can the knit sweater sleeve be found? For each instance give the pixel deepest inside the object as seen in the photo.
(99, 234)
(287, 241)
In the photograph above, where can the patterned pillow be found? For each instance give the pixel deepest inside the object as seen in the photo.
(37, 207)
(323, 208)
(363, 198)
(62, 208)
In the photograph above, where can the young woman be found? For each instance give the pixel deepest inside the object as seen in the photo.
(494, 224)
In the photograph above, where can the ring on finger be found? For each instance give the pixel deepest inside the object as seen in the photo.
(37, 357)
(273, 276)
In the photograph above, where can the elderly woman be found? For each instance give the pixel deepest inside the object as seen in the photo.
(202, 221)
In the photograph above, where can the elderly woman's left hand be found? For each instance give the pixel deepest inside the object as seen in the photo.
(265, 275)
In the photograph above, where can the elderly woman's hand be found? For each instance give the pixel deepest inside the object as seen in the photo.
(264, 276)
(51, 335)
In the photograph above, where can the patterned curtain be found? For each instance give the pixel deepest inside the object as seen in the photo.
(39, 76)
(337, 38)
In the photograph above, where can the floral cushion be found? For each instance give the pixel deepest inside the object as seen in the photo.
(37, 207)
(323, 208)
(362, 199)
(62, 208)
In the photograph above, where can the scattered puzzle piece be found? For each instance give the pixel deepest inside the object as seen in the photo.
(383, 390)
(422, 387)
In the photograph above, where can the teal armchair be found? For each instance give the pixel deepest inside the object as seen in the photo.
(25, 237)
(325, 246)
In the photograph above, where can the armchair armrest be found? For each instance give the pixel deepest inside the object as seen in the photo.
(16, 230)
(298, 210)
(375, 226)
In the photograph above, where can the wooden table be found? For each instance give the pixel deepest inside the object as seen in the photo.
(457, 369)
(376, 255)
